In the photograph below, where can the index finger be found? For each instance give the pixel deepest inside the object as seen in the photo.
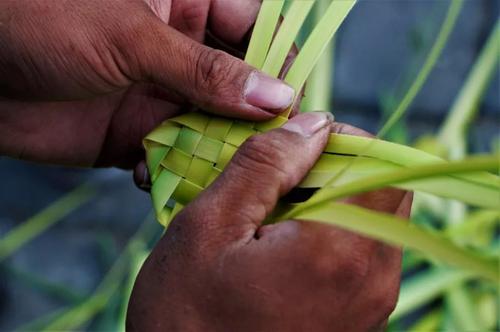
(231, 20)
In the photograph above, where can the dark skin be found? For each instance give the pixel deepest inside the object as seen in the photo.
(218, 268)
(86, 80)
(115, 79)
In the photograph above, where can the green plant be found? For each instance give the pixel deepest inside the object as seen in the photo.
(40, 222)
(128, 263)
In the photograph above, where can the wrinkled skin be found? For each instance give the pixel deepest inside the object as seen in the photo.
(84, 81)
(87, 80)
(217, 268)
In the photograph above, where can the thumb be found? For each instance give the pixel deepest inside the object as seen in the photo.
(264, 168)
(209, 78)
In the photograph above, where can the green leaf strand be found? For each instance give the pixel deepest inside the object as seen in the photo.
(263, 32)
(399, 232)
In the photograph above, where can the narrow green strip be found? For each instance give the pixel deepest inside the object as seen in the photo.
(139, 252)
(466, 104)
(399, 232)
(439, 180)
(474, 226)
(317, 42)
(461, 306)
(424, 288)
(396, 153)
(286, 35)
(389, 178)
(72, 318)
(263, 32)
(430, 322)
(42, 285)
(40, 222)
(319, 87)
(449, 23)
(463, 191)
(430, 63)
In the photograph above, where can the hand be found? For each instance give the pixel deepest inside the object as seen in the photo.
(116, 69)
(217, 268)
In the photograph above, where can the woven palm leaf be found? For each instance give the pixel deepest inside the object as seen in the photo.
(187, 153)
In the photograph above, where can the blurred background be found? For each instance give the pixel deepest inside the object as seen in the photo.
(74, 261)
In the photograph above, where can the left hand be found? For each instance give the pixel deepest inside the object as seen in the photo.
(105, 127)
(105, 131)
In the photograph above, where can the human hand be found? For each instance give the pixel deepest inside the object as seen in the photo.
(218, 268)
(117, 69)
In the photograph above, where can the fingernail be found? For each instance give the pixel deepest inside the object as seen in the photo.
(307, 124)
(146, 182)
(269, 93)
(141, 176)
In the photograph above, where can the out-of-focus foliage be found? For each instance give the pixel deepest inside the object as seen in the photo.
(433, 297)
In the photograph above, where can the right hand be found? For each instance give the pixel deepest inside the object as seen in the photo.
(218, 268)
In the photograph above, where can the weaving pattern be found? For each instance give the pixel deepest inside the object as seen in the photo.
(187, 153)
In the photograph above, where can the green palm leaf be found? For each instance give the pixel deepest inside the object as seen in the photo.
(399, 232)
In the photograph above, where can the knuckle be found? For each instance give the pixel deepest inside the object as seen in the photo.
(347, 270)
(387, 296)
(263, 153)
(385, 302)
(213, 70)
(356, 267)
(130, 44)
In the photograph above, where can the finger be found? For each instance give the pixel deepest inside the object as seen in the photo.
(343, 128)
(265, 168)
(239, 52)
(384, 200)
(231, 20)
(190, 17)
(161, 8)
(141, 176)
(228, 20)
(211, 79)
(230, 24)
(404, 209)
(212, 41)
(222, 24)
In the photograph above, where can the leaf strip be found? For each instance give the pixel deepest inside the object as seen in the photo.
(425, 287)
(399, 154)
(466, 104)
(399, 232)
(263, 32)
(46, 218)
(317, 42)
(285, 37)
(434, 54)
(385, 179)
